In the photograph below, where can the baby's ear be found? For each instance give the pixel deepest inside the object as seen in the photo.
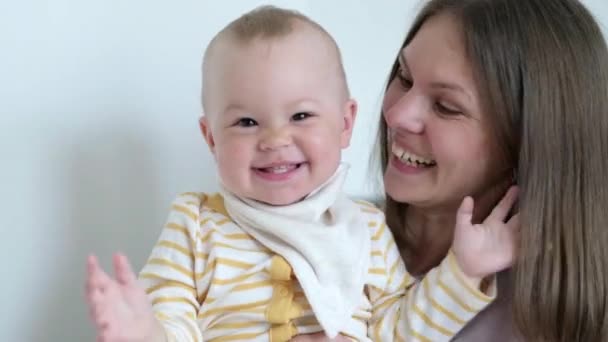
(349, 116)
(203, 123)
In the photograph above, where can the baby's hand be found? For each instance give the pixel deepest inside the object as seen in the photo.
(484, 249)
(119, 307)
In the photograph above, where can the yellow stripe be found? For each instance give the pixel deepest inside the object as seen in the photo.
(454, 297)
(183, 300)
(232, 280)
(200, 196)
(207, 236)
(238, 337)
(192, 330)
(222, 222)
(463, 282)
(407, 281)
(189, 322)
(379, 324)
(234, 263)
(179, 268)
(377, 254)
(370, 211)
(225, 245)
(172, 284)
(238, 325)
(386, 303)
(379, 233)
(210, 268)
(233, 308)
(251, 286)
(393, 270)
(238, 236)
(186, 211)
(398, 336)
(234, 236)
(372, 224)
(361, 318)
(152, 276)
(438, 306)
(380, 271)
(430, 322)
(178, 227)
(204, 221)
(418, 336)
(365, 204)
(201, 255)
(177, 247)
(227, 262)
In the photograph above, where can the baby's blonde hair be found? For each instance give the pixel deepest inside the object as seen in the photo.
(270, 22)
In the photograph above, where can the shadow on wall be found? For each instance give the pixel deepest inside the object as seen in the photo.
(112, 203)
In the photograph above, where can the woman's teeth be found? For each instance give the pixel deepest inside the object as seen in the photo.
(410, 158)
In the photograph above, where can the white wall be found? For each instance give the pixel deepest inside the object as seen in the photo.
(98, 113)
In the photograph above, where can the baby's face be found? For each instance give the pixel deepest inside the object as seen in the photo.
(277, 117)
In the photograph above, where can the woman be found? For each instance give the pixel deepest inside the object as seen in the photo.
(488, 90)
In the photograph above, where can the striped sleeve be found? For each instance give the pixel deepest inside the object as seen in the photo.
(168, 276)
(433, 309)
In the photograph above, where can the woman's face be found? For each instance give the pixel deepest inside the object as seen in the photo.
(440, 146)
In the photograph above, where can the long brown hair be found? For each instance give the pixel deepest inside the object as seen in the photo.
(541, 68)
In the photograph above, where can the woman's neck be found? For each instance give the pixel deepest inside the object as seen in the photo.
(434, 232)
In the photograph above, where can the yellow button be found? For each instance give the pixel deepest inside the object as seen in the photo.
(283, 291)
(280, 269)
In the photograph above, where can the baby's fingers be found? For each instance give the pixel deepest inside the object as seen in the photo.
(122, 270)
(464, 215)
(514, 223)
(500, 212)
(97, 279)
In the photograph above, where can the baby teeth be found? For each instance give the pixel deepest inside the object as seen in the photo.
(279, 169)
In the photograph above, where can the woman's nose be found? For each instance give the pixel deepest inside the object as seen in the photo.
(406, 113)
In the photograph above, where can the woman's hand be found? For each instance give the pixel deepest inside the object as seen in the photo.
(318, 337)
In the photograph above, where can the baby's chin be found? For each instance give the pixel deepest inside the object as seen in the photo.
(280, 200)
(276, 197)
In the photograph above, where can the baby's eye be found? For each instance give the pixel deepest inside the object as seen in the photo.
(300, 116)
(246, 122)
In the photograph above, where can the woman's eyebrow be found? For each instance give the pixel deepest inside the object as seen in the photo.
(439, 84)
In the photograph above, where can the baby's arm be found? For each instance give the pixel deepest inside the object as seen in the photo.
(439, 306)
(167, 283)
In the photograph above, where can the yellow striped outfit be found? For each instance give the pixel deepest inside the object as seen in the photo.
(209, 281)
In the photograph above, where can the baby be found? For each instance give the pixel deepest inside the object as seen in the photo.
(281, 250)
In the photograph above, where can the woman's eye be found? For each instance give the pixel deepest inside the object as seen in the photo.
(300, 116)
(406, 83)
(246, 122)
(446, 110)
